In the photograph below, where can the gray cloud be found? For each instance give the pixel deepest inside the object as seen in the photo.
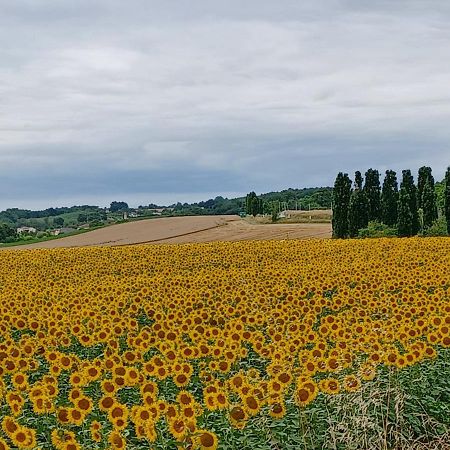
(166, 100)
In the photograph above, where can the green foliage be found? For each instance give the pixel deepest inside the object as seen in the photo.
(118, 206)
(372, 190)
(410, 225)
(389, 199)
(439, 187)
(253, 204)
(405, 216)
(7, 233)
(274, 211)
(341, 204)
(42, 219)
(377, 230)
(429, 205)
(424, 173)
(316, 198)
(426, 196)
(58, 221)
(447, 199)
(358, 217)
(437, 228)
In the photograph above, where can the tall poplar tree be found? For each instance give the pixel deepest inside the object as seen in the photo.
(447, 199)
(426, 196)
(372, 189)
(389, 199)
(249, 202)
(429, 203)
(358, 216)
(411, 189)
(424, 175)
(405, 216)
(341, 202)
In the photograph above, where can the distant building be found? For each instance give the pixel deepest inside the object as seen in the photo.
(63, 230)
(29, 230)
(159, 211)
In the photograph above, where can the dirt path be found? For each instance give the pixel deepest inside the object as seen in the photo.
(178, 230)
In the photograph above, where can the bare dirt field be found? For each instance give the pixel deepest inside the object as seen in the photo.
(180, 230)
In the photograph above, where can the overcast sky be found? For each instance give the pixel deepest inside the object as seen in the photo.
(158, 101)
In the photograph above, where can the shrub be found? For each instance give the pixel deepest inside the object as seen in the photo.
(377, 230)
(438, 228)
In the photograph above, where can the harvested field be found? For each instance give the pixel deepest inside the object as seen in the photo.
(177, 230)
(292, 216)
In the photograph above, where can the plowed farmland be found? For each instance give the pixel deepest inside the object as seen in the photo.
(176, 230)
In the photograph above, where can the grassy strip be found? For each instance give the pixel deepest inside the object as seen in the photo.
(48, 238)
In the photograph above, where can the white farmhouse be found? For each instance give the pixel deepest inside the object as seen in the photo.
(29, 230)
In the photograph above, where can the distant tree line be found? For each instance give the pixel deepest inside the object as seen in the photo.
(409, 209)
(295, 199)
(306, 198)
(20, 217)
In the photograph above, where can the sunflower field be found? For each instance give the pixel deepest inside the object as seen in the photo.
(321, 344)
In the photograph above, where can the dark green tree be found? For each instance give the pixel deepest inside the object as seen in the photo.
(259, 206)
(447, 199)
(358, 216)
(372, 189)
(405, 216)
(426, 196)
(7, 233)
(253, 204)
(58, 221)
(439, 187)
(341, 202)
(118, 206)
(274, 211)
(411, 189)
(389, 199)
(358, 180)
(424, 175)
(429, 204)
(249, 202)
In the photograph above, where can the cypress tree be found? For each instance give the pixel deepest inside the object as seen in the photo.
(421, 180)
(341, 201)
(372, 189)
(447, 199)
(429, 204)
(358, 217)
(405, 216)
(411, 189)
(358, 180)
(389, 199)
